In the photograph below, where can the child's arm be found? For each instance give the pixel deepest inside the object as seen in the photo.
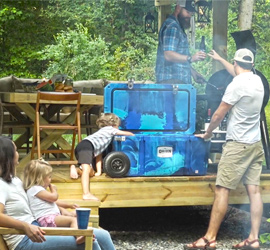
(51, 196)
(99, 165)
(127, 133)
(63, 208)
(66, 212)
(63, 204)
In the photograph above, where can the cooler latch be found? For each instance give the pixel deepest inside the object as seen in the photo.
(130, 83)
(175, 89)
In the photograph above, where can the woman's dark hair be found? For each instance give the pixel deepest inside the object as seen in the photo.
(7, 155)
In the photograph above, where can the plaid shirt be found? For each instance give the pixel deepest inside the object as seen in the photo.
(172, 38)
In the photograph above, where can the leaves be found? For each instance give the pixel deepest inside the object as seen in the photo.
(45, 41)
(39, 37)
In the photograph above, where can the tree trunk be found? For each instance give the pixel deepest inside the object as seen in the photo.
(245, 14)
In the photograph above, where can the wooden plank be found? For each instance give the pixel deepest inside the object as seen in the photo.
(163, 12)
(52, 231)
(14, 97)
(164, 2)
(152, 191)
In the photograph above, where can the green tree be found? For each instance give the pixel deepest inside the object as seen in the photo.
(119, 24)
(23, 32)
(78, 54)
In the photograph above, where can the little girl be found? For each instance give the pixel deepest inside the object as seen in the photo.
(92, 147)
(43, 203)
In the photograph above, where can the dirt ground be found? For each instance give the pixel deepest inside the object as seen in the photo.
(173, 227)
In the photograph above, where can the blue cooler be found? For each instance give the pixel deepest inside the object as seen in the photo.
(163, 118)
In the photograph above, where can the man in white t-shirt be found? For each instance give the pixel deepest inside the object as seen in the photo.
(242, 154)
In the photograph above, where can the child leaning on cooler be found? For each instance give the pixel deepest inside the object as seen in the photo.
(43, 203)
(92, 147)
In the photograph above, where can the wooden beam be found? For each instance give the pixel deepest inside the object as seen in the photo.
(163, 12)
(164, 2)
(220, 30)
(151, 191)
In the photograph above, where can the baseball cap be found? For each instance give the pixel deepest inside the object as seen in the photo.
(244, 55)
(189, 5)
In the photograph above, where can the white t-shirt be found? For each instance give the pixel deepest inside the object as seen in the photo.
(246, 94)
(38, 206)
(14, 198)
(102, 138)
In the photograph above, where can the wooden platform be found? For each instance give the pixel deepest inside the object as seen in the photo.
(151, 191)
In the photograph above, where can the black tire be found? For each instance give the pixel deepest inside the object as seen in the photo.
(116, 164)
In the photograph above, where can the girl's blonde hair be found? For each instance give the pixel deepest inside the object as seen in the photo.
(108, 119)
(35, 172)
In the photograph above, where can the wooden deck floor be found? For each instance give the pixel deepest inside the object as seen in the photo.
(151, 191)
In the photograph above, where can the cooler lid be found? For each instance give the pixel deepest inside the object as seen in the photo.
(152, 107)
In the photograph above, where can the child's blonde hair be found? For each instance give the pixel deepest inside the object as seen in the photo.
(35, 172)
(108, 119)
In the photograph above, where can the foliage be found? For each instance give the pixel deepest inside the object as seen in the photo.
(42, 24)
(128, 51)
(113, 28)
(265, 237)
(19, 20)
(78, 55)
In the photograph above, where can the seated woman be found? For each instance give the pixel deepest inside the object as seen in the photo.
(15, 212)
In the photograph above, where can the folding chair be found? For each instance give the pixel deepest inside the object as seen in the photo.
(52, 129)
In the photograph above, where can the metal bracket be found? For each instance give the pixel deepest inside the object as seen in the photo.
(175, 89)
(130, 83)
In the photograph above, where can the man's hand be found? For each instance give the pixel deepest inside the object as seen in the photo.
(213, 54)
(206, 136)
(198, 78)
(199, 56)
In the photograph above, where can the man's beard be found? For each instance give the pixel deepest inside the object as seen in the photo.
(184, 21)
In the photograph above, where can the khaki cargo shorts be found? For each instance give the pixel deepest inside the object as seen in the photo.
(240, 161)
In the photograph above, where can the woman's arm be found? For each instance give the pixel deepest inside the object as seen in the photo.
(35, 233)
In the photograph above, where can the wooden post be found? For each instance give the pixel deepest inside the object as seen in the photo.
(220, 27)
(164, 9)
(163, 12)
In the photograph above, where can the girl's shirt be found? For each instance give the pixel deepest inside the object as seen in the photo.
(14, 198)
(38, 206)
(102, 138)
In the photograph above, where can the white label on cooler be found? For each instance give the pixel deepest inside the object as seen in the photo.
(164, 152)
(119, 138)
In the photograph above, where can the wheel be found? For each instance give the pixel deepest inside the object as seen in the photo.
(116, 164)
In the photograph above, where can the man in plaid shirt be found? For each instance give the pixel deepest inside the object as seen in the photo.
(174, 60)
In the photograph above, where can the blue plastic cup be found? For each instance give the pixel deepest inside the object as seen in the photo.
(83, 215)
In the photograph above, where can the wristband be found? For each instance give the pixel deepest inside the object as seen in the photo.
(189, 59)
